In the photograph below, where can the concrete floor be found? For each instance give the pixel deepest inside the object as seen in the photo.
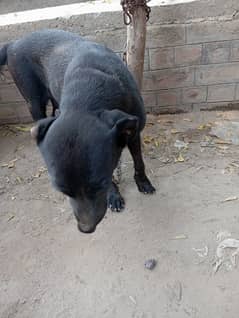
(48, 269)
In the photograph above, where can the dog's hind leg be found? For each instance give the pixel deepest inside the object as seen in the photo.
(142, 181)
(30, 86)
(55, 106)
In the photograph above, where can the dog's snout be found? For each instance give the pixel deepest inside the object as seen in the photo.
(85, 228)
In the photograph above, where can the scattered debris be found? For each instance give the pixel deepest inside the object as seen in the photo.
(226, 132)
(198, 169)
(231, 168)
(41, 170)
(23, 128)
(19, 179)
(179, 159)
(221, 257)
(133, 300)
(10, 218)
(222, 235)
(150, 264)
(180, 144)
(234, 198)
(165, 160)
(201, 252)
(157, 143)
(148, 139)
(234, 164)
(179, 237)
(208, 143)
(222, 142)
(204, 126)
(222, 148)
(174, 131)
(10, 164)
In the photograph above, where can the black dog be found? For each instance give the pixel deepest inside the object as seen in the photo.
(100, 112)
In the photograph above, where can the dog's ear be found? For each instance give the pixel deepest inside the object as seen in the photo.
(122, 125)
(127, 127)
(39, 131)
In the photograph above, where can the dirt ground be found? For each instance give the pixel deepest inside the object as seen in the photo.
(48, 269)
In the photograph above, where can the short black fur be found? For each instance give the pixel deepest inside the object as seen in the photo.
(100, 112)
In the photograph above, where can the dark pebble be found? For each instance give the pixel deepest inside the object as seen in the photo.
(150, 264)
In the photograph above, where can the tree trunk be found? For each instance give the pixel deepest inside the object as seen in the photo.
(136, 36)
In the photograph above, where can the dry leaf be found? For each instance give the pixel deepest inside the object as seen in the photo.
(133, 300)
(179, 159)
(40, 172)
(222, 147)
(156, 142)
(179, 237)
(10, 218)
(174, 131)
(23, 128)
(230, 199)
(19, 179)
(10, 164)
(148, 139)
(222, 142)
(149, 123)
(201, 127)
(201, 252)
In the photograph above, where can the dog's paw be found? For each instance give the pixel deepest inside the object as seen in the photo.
(116, 202)
(145, 186)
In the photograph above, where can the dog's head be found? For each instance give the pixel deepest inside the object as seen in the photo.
(80, 155)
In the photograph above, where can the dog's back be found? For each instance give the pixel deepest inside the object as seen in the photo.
(55, 55)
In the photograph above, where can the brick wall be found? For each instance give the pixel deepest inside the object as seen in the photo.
(191, 58)
(198, 70)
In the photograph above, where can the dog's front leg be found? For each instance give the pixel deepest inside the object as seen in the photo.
(114, 198)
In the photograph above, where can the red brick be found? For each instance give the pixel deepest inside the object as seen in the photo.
(165, 35)
(9, 93)
(237, 92)
(217, 73)
(220, 93)
(215, 106)
(5, 76)
(22, 111)
(169, 78)
(235, 51)
(8, 114)
(168, 97)
(210, 31)
(146, 60)
(194, 94)
(216, 52)
(150, 99)
(161, 58)
(188, 55)
(170, 109)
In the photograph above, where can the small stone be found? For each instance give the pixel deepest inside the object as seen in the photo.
(150, 264)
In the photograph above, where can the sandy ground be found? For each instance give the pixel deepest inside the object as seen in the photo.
(48, 269)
